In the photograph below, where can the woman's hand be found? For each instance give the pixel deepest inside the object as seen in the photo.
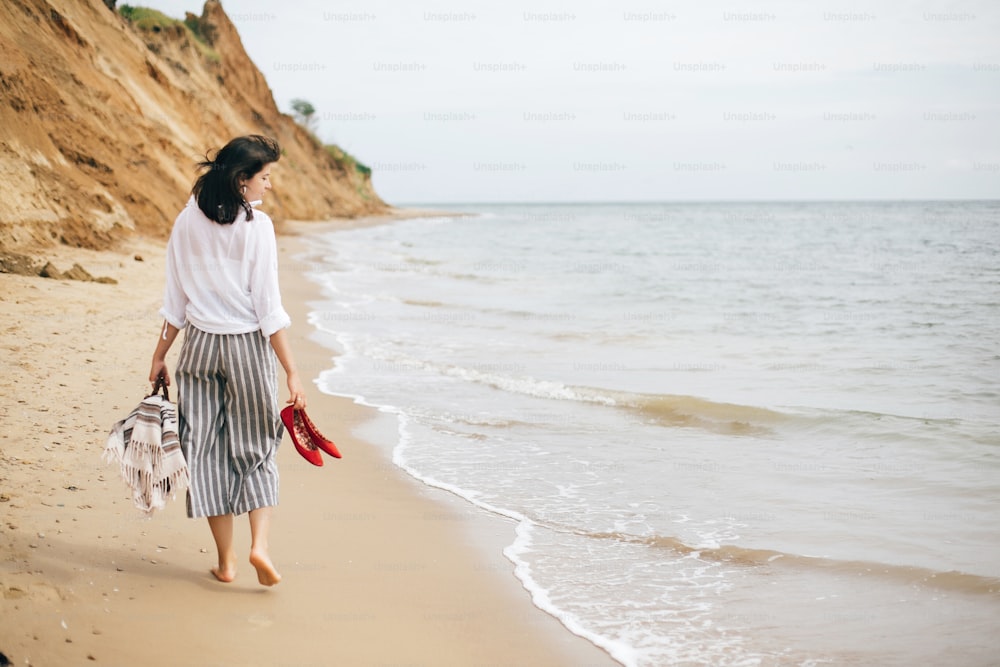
(297, 395)
(159, 368)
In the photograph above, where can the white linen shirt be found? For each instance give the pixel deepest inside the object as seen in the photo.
(223, 279)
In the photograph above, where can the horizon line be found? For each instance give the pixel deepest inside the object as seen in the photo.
(410, 204)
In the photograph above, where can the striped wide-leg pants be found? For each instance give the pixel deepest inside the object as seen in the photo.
(228, 421)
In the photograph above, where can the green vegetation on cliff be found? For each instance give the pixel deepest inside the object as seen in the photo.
(152, 20)
(344, 158)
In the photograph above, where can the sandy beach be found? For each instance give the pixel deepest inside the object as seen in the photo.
(378, 569)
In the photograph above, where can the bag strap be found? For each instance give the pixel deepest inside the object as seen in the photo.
(161, 383)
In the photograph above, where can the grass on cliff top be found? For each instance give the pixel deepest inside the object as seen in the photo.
(152, 20)
(343, 157)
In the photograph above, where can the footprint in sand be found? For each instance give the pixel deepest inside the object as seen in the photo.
(261, 621)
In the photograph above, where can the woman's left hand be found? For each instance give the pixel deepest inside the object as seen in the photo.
(159, 368)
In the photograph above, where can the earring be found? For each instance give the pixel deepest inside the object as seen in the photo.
(244, 190)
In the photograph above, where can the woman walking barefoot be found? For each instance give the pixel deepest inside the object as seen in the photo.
(222, 285)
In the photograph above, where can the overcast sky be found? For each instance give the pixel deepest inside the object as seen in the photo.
(489, 101)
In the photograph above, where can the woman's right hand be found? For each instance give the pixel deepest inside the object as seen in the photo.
(297, 395)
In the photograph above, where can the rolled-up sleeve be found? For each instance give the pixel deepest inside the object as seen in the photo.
(175, 301)
(264, 288)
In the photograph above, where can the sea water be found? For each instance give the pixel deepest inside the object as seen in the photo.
(729, 433)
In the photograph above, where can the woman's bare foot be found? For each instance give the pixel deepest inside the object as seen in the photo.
(225, 571)
(222, 532)
(266, 574)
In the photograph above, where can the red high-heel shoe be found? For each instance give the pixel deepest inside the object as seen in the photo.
(292, 419)
(318, 439)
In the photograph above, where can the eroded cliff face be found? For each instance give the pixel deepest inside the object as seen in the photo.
(101, 125)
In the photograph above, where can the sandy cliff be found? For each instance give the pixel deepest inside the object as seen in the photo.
(101, 123)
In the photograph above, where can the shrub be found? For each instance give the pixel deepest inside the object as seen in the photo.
(152, 20)
(344, 158)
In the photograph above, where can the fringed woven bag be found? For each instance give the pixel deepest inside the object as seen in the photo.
(148, 451)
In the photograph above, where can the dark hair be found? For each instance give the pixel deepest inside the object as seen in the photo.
(217, 191)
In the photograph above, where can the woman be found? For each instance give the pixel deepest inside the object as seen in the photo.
(222, 284)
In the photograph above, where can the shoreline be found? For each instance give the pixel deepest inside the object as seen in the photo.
(378, 569)
(298, 228)
(542, 639)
